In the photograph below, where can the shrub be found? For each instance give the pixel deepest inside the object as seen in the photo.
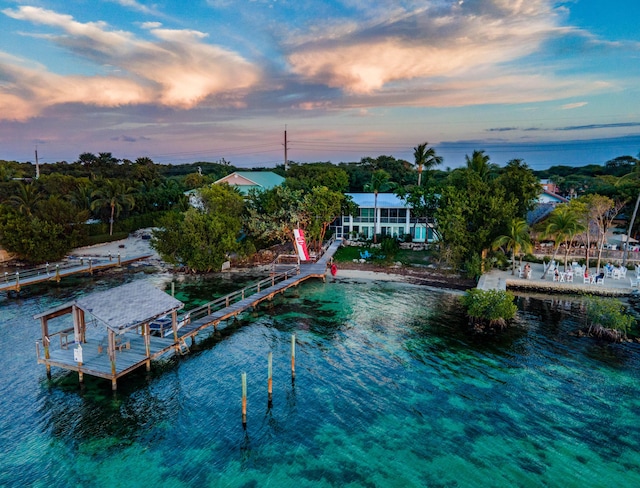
(489, 308)
(389, 246)
(607, 319)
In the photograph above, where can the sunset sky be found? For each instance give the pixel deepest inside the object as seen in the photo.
(548, 82)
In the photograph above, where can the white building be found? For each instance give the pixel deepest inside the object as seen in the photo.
(394, 219)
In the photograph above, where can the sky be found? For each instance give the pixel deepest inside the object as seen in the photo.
(549, 82)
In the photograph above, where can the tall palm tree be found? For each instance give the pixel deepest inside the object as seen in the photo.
(115, 195)
(425, 159)
(515, 240)
(379, 183)
(563, 224)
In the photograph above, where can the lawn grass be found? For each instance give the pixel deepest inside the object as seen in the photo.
(405, 256)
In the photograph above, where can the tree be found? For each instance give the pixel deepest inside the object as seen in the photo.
(379, 183)
(421, 201)
(425, 159)
(115, 195)
(479, 163)
(601, 210)
(26, 200)
(515, 240)
(35, 239)
(202, 239)
(322, 206)
(562, 225)
(471, 213)
(272, 215)
(520, 185)
(307, 176)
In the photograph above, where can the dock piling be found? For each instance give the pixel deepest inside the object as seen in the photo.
(270, 378)
(293, 357)
(244, 400)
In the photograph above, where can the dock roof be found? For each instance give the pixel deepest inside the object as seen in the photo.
(125, 306)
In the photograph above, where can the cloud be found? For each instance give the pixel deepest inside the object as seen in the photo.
(599, 126)
(178, 69)
(137, 6)
(125, 138)
(423, 44)
(570, 106)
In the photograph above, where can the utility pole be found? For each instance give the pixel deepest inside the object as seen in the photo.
(37, 165)
(286, 161)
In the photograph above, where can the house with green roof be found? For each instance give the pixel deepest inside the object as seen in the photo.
(247, 180)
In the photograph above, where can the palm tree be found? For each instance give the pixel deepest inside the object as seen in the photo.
(27, 199)
(563, 224)
(379, 182)
(115, 195)
(516, 240)
(425, 158)
(479, 163)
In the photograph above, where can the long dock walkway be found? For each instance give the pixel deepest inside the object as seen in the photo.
(55, 272)
(133, 349)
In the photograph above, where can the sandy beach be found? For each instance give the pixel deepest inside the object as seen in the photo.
(132, 246)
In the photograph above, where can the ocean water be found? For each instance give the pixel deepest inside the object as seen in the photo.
(391, 390)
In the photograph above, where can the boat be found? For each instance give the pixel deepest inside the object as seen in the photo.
(162, 326)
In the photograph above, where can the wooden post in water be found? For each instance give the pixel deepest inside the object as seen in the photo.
(293, 357)
(270, 380)
(147, 344)
(57, 273)
(44, 325)
(244, 399)
(119, 264)
(17, 281)
(173, 289)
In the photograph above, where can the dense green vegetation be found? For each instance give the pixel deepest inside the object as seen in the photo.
(607, 319)
(477, 210)
(489, 308)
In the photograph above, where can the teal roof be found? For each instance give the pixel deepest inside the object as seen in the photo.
(263, 180)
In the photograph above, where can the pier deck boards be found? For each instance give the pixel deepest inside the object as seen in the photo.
(96, 361)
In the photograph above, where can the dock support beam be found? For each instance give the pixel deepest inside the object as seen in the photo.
(147, 345)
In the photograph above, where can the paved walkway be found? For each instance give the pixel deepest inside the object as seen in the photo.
(501, 280)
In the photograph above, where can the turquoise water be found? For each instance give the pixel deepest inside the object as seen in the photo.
(391, 391)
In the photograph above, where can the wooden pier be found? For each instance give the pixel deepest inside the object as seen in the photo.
(55, 272)
(124, 341)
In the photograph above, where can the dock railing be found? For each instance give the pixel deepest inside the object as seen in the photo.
(252, 289)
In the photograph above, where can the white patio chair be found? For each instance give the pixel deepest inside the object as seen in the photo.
(587, 279)
(634, 283)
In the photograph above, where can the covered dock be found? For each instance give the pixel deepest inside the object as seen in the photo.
(109, 335)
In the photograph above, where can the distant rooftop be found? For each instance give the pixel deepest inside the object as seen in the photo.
(245, 180)
(385, 200)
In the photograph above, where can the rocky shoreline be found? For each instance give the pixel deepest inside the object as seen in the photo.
(420, 276)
